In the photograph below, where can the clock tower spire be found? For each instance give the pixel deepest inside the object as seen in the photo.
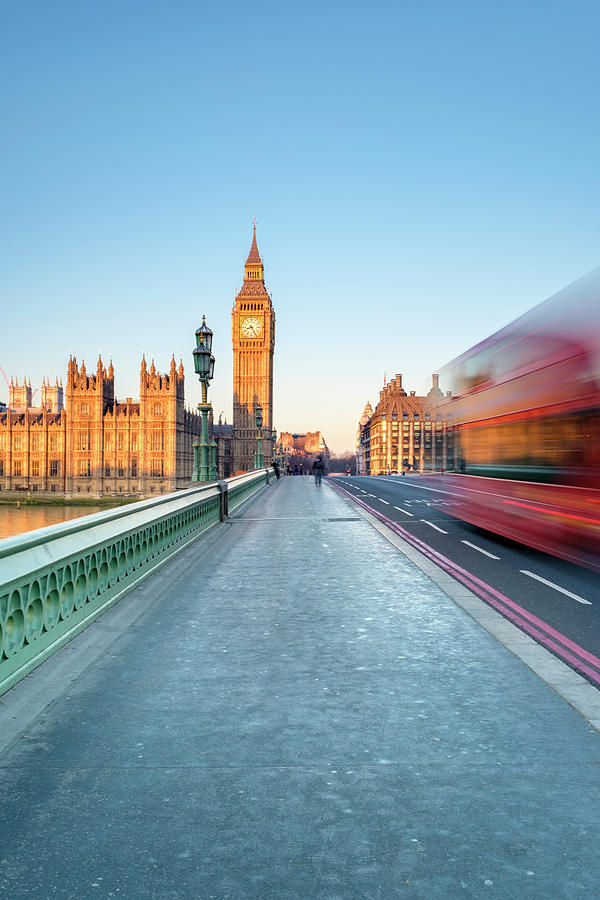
(253, 336)
(253, 270)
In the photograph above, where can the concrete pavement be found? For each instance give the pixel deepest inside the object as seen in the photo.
(293, 709)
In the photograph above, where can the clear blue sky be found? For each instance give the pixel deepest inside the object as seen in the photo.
(421, 174)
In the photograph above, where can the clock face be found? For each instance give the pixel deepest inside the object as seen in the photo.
(251, 327)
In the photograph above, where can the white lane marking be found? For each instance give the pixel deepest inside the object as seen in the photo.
(422, 486)
(381, 500)
(556, 587)
(480, 549)
(431, 525)
(371, 495)
(406, 513)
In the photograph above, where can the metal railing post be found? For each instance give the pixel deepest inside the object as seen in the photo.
(224, 500)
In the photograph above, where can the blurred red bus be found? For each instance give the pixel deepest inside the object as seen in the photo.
(525, 449)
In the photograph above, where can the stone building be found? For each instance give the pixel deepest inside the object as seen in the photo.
(404, 433)
(81, 440)
(223, 435)
(253, 336)
(95, 445)
(300, 450)
(51, 397)
(20, 395)
(362, 462)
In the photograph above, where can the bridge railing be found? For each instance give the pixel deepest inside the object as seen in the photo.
(56, 581)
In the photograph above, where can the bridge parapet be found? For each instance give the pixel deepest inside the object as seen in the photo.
(56, 581)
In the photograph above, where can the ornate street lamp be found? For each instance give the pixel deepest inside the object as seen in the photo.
(258, 457)
(204, 366)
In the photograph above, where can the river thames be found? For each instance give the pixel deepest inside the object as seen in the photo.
(16, 520)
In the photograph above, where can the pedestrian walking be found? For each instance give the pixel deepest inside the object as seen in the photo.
(318, 468)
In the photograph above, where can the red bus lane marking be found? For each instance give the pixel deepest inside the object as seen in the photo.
(542, 632)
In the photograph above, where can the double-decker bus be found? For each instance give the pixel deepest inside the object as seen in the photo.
(526, 427)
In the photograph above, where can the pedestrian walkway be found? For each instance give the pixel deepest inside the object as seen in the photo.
(296, 711)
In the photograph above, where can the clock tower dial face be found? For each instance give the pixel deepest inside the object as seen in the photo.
(251, 327)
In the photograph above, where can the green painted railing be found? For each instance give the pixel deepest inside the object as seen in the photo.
(56, 581)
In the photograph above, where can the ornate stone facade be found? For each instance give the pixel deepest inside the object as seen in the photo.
(361, 449)
(253, 336)
(83, 441)
(52, 396)
(300, 450)
(404, 433)
(20, 395)
(97, 446)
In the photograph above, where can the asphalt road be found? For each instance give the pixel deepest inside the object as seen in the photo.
(565, 597)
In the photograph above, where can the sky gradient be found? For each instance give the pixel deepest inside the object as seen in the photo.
(421, 174)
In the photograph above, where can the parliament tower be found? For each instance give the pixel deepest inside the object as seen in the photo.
(253, 335)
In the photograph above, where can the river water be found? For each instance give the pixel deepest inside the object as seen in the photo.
(14, 520)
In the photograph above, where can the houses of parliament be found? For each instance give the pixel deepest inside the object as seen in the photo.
(82, 440)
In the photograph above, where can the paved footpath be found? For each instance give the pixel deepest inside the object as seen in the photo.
(295, 711)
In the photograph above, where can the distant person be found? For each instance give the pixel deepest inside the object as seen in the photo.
(348, 472)
(276, 469)
(318, 469)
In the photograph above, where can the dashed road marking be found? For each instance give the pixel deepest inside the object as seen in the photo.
(431, 525)
(556, 587)
(381, 500)
(480, 549)
(406, 513)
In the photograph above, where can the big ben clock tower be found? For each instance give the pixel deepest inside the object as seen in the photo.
(253, 335)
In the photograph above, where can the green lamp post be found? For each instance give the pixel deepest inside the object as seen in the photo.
(204, 365)
(258, 457)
